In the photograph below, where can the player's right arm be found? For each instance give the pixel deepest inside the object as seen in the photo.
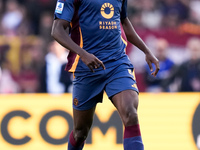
(60, 32)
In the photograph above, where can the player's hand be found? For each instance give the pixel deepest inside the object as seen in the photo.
(92, 61)
(150, 58)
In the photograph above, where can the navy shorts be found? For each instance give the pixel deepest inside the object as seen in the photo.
(88, 89)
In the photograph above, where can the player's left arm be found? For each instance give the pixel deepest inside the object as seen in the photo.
(134, 38)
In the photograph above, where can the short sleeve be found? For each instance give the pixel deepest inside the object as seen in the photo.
(64, 10)
(124, 10)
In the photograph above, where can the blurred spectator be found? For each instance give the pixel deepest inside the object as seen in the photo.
(174, 12)
(135, 13)
(151, 15)
(45, 27)
(187, 75)
(0, 73)
(12, 17)
(7, 84)
(166, 64)
(12, 54)
(31, 60)
(192, 25)
(53, 78)
(1, 14)
(36, 9)
(1, 7)
(194, 11)
(33, 13)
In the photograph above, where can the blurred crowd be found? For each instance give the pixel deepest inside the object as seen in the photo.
(32, 62)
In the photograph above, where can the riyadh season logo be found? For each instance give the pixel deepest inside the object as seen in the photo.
(107, 11)
(196, 127)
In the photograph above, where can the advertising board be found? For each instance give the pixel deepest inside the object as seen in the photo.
(44, 122)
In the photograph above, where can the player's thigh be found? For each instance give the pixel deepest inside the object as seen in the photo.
(126, 101)
(83, 119)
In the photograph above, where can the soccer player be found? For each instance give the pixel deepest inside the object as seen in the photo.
(90, 29)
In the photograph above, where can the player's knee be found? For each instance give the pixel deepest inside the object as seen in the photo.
(130, 117)
(80, 135)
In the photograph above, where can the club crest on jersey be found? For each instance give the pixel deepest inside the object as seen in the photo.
(75, 101)
(59, 7)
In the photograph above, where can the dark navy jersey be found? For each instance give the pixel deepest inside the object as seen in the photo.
(95, 26)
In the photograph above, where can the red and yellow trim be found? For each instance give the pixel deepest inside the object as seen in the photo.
(73, 68)
(125, 42)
